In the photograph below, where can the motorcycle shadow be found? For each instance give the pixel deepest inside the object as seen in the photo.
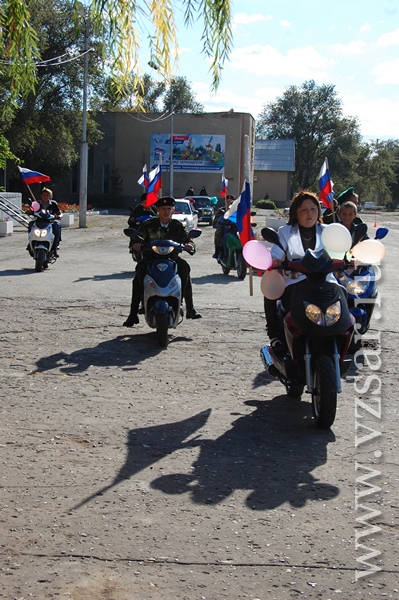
(270, 453)
(217, 278)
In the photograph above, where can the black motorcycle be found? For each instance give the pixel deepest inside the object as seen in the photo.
(317, 332)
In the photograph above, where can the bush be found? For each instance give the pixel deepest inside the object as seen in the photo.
(268, 204)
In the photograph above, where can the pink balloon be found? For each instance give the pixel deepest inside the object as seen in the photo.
(35, 206)
(369, 252)
(257, 255)
(272, 285)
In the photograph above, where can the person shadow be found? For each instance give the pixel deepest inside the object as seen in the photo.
(270, 453)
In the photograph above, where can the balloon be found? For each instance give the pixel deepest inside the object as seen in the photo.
(272, 285)
(257, 255)
(369, 252)
(336, 237)
(35, 206)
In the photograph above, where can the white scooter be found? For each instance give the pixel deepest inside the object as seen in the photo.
(162, 299)
(41, 238)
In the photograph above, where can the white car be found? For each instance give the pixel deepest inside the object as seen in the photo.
(186, 214)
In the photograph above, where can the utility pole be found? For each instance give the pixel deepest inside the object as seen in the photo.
(84, 144)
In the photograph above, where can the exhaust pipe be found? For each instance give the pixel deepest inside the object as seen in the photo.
(268, 361)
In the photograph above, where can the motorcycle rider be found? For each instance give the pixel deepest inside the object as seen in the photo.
(140, 210)
(303, 231)
(162, 227)
(47, 203)
(218, 224)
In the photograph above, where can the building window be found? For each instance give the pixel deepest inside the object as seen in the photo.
(105, 179)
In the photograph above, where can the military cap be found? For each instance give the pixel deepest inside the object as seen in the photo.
(230, 196)
(346, 195)
(165, 201)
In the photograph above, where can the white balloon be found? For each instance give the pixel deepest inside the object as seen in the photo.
(272, 285)
(336, 238)
(369, 252)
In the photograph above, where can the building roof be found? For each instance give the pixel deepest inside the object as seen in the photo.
(274, 155)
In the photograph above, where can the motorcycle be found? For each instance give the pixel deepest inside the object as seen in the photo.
(317, 330)
(230, 255)
(162, 299)
(360, 284)
(41, 238)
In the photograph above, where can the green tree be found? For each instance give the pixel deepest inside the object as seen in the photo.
(45, 126)
(121, 25)
(149, 96)
(312, 115)
(377, 169)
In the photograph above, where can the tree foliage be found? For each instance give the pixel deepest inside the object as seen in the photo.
(121, 25)
(312, 115)
(150, 96)
(45, 127)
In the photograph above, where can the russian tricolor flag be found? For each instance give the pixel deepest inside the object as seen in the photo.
(154, 185)
(144, 180)
(325, 185)
(223, 191)
(241, 208)
(30, 177)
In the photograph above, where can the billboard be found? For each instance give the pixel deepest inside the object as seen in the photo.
(192, 152)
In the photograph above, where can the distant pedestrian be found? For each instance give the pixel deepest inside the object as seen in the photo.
(203, 191)
(190, 192)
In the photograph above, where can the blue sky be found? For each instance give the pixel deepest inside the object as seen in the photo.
(351, 44)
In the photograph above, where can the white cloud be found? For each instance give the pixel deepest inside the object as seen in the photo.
(285, 24)
(355, 48)
(244, 19)
(366, 27)
(387, 72)
(389, 39)
(378, 119)
(300, 63)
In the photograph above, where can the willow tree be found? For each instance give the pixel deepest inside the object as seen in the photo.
(126, 27)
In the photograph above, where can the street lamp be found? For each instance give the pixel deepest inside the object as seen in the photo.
(84, 145)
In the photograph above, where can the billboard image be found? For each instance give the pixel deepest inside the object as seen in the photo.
(195, 152)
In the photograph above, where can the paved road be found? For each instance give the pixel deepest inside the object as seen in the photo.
(130, 472)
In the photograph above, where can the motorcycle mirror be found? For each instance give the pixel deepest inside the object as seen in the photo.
(271, 236)
(381, 233)
(359, 232)
(194, 233)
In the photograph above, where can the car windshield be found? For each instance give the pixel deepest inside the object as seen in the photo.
(182, 208)
(202, 203)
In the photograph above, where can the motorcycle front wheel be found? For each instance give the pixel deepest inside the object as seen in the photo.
(324, 395)
(40, 258)
(162, 330)
(226, 270)
(241, 267)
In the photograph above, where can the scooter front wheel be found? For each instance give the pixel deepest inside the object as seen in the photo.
(162, 329)
(40, 258)
(241, 267)
(324, 395)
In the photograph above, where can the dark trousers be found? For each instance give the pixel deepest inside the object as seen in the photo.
(273, 325)
(183, 269)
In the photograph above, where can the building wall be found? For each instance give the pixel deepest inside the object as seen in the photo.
(276, 183)
(131, 141)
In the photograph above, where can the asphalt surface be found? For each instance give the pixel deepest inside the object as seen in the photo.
(131, 472)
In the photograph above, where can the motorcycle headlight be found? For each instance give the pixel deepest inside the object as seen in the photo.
(313, 313)
(316, 315)
(40, 232)
(333, 313)
(163, 250)
(358, 286)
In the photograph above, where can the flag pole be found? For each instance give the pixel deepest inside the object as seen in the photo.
(247, 177)
(30, 191)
